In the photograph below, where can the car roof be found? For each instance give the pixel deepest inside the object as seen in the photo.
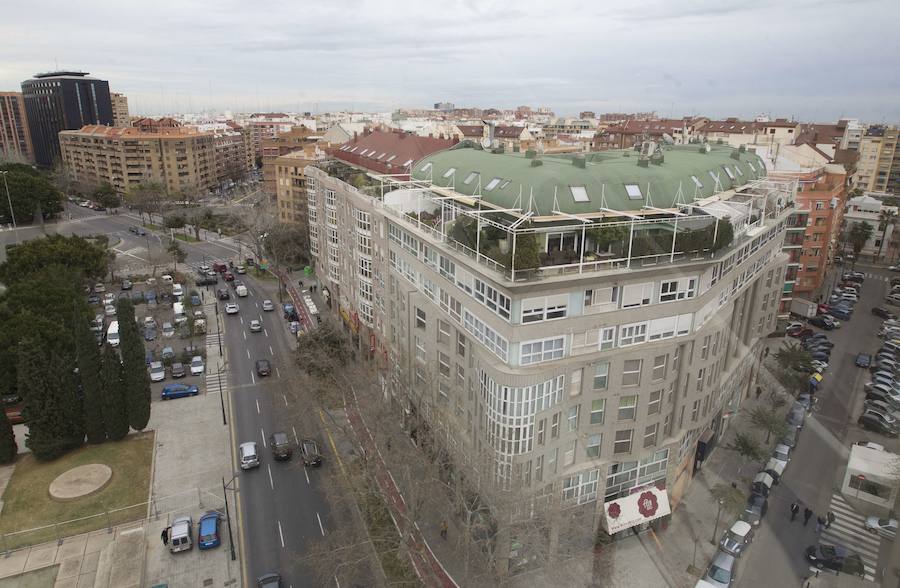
(208, 517)
(280, 437)
(723, 560)
(248, 445)
(741, 528)
(181, 521)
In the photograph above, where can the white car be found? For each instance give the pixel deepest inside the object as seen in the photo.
(255, 326)
(109, 298)
(166, 279)
(267, 305)
(795, 325)
(168, 330)
(157, 371)
(887, 528)
(819, 366)
(870, 445)
(196, 365)
(177, 290)
(231, 308)
(109, 310)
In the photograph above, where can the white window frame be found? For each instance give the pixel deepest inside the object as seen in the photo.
(607, 338)
(630, 409)
(641, 294)
(628, 374)
(601, 375)
(544, 308)
(632, 334)
(541, 350)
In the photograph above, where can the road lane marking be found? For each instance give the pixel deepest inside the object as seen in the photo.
(285, 399)
(277, 373)
(266, 331)
(280, 534)
(257, 406)
(245, 335)
(252, 377)
(257, 304)
(248, 354)
(271, 481)
(263, 433)
(321, 528)
(242, 320)
(270, 351)
(305, 473)
(294, 429)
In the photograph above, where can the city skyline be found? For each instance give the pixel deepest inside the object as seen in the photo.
(715, 59)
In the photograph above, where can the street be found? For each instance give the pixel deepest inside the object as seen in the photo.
(815, 471)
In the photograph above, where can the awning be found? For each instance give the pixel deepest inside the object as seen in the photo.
(643, 506)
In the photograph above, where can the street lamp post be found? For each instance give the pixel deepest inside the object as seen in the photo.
(9, 201)
(225, 488)
(716, 529)
(221, 391)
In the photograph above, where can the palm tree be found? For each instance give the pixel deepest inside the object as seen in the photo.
(859, 235)
(885, 220)
(792, 356)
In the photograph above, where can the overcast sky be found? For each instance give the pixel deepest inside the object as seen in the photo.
(810, 59)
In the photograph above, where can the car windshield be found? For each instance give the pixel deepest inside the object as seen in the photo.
(719, 574)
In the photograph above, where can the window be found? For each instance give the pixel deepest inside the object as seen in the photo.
(443, 332)
(607, 338)
(632, 334)
(572, 419)
(622, 443)
(449, 172)
(424, 169)
(460, 344)
(601, 376)
(470, 178)
(460, 375)
(704, 350)
(628, 407)
(677, 289)
(654, 402)
(542, 424)
(737, 168)
(444, 364)
(633, 191)
(554, 426)
(750, 164)
(569, 455)
(539, 468)
(631, 372)
(650, 435)
(659, 367)
(420, 318)
(544, 308)
(634, 295)
(592, 449)
(602, 298)
(542, 350)
(575, 383)
(684, 324)
(420, 349)
(598, 405)
(662, 328)
(696, 181)
(551, 460)
(492, 184)
(579, 194)
(695, 410)
(504, 184)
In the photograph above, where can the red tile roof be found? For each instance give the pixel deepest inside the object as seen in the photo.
(471, 130)
(731, 125)
(508, 132)
(388, 152)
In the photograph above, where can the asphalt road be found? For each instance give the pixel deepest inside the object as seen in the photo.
(817, 463)
(282, 502)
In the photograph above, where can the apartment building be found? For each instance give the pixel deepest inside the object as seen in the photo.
(180, 158)
(627, 134)
(290, 183)
(267, 125)
(15, 138)
(869, 209)
(120, 115)
(233, 154)
(272, 148)
(878, 168)
(570, 329)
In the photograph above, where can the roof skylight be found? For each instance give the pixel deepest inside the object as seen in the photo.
(470, 178)
(425, 168)
(634, 191)
(715, 177)
(579, 193)
(449, 172)
(492, 184)
(697, 181)
(728, 171)
(382, 155)
(391, 158)
(504, 184)
(750, 163)
(737, 168)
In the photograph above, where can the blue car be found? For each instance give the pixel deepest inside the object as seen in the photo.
(841, 313)
(179, 391)
(195, 300)
(150, 296)
(208, 530)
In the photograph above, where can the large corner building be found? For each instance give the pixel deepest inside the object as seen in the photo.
(570, 329)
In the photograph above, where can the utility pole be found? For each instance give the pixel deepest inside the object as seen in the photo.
(9, 201)
(225, 488)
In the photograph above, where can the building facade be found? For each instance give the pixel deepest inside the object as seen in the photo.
(15, 137)
(290, 184)
(234, 154)
(569, 337)
(871, 210)
(120, 114)
(60, 101)
(878, 167)
(182, 159)
(272, 148)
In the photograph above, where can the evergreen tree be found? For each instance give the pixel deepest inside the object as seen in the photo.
(135, 380)
(89, 371)
(8, 447)
(51, 405)
(113, 401)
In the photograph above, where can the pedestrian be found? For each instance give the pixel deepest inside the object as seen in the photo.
(820, 524)
(807, 514)
(795, 509)
(830, 519)
(300, 283)
(165, 536)
(758, 392)
(444, 530)
(766, 352)
(388, 444)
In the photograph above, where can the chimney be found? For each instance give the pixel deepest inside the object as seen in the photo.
(355, 136)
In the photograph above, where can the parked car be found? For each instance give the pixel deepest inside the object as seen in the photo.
(271, 580)
(208, 530)
(755, 509)
(879, 406)
(737, 538)
(821, 322)
(228, 277)
(263, 367)
(195, 299)
(796, 416)
(837, 558)
(178, 370)
(249, 455)
(887, 528)
(180, 535)
(841, 313)
(196, 365)
(875, 421)
(267, 305)
(168, 330)
(150, 332)
(782, 453)
(127, 284)
(310, 452)
(281, 446)
(239, 269)
(722, 571)
(171, 391)
(762, 483)
(800, 333)
(109, 310)
(157, 371)
(889, 399)
(168, 353)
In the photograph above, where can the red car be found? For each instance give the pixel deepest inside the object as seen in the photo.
(219, 267)
(800, 333)
(228, 276)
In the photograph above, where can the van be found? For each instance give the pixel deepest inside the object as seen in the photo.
(112, 334)
(180, 317)
(241, 290)
(248, 455)
(180, 535)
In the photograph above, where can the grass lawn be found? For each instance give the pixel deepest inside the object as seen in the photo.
(27, 502)
(186, 238)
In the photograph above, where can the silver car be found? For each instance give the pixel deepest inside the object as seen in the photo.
(887, 528)
(722, 571)
(267, 305)
(249, 455)
(157, 371)
(737, 538)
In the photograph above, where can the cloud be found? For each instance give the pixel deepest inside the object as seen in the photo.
(720, 57)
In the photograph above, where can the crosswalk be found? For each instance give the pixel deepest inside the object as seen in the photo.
(849, 530)
(216, 381)
(877, 277)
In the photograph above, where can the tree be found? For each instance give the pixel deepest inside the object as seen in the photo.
(769, 421)
(603, 237)
(859, 235)
(747, 446)
(147, 198)
(135, 381)
(115, 415)
(89, 259)
(174, 221)
(288, 243)
(323, 351)
(8, 447)
(90, 366)
(724, 235)
(528, 253)
(50, 403)
(793, 357)
(732, 499)
(177, 252)
(106, 196)
(31, 193)
(885, 220)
